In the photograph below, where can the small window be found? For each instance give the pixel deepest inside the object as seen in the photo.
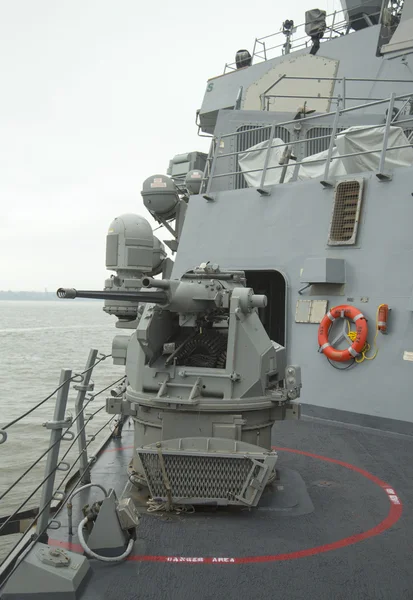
(346, 212)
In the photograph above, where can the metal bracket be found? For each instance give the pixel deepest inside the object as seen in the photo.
(383, 177)
(84, 388)
(254, 485)
(193, 397)
(63, 466)
(209, 197)
(279, 395)
(327, 184)
(58, 424)
(117, 406)
(58, 495)
(196, 390)
(264, 191)
(114, 406)
(68, 436)
(162, 389)
(233, 376)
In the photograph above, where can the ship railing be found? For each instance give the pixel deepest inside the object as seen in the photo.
(274, 44)
(63, 427)
(341, 98)
(392, 119)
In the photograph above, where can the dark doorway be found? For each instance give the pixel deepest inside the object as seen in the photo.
(272, 284)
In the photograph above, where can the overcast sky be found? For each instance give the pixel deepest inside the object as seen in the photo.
(97, 95)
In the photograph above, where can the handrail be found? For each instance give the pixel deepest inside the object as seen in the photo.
(390, 120)
(74, 378)
(319, 116)
(336, 28)
(312, 139)
(28, 544)
(265, 96)
(60, 427)
(52, 470)
(309, 162)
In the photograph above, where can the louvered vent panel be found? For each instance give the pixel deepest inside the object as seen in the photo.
(315, 146)
(247, 138)
(346, 212)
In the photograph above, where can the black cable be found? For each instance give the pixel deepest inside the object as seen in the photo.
(16, 512)
(342, 368)
(61, 438)
(56, 468)
(17, 419)
(63, 503)
(46, 452)
(29, 469)
(80, 453)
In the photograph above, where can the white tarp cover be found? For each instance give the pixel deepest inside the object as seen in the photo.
(254, 158)
(313, 166)
(354, 140)
(349, 141)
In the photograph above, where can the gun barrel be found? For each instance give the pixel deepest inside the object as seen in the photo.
(141, 296)
(149, 282)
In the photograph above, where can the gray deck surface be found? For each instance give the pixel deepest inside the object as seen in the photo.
(346, 503)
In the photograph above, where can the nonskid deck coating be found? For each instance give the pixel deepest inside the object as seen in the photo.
(355, 544)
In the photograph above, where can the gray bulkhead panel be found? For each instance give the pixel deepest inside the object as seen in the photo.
(243, 230)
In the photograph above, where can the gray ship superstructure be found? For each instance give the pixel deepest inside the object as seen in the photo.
(291, 247)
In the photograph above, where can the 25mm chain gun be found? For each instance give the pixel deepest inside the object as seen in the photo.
(200, 344)
(138, 296)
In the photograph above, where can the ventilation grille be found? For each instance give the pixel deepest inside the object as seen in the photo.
(315, 146)
(346, 212)
(247, 138)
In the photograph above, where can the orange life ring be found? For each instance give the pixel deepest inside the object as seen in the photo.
(347, 312)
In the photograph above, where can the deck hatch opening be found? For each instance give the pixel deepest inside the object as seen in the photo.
(346, 212)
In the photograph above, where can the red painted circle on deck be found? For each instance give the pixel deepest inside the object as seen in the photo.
(394, 514)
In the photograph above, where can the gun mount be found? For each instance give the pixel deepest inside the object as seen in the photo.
(202, 373)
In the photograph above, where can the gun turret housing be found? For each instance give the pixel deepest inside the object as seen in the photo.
(200, 363)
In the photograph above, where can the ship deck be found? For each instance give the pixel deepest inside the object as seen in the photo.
(337, 525)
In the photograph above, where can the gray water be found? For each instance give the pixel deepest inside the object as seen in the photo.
(37, 340)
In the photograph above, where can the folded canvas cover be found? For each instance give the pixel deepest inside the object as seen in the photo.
(350, 141)
(355, 139)
(253, 160)
(313, 166)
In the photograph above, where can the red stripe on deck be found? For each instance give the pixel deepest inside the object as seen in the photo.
(394, 514)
